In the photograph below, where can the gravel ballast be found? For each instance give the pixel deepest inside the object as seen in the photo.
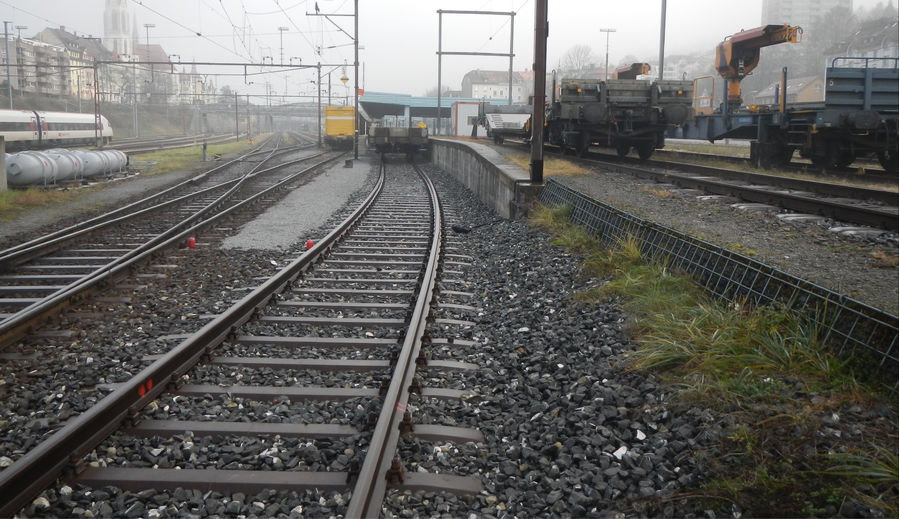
(569, 431)
(844, 264)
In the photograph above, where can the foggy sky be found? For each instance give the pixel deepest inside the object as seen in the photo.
(400, 37)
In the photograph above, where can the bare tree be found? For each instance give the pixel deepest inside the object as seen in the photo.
(577, 61)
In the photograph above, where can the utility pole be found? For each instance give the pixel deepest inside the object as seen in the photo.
(356, 79)
(149, 26)
(318, 73)
(19, 28)
(236, 119)
(281, 31)
(8, 80)
(541, 31)
(607, 31)
(249, 120)
(662, 43)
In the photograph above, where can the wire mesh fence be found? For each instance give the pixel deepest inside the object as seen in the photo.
(851, 327)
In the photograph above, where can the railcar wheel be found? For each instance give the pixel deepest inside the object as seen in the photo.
(583, 144)
(889, 159)
(644, 150)
(623, 149)
(842, 158)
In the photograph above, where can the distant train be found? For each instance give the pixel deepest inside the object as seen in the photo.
(32, 129)
(398, 140)
(339, 127)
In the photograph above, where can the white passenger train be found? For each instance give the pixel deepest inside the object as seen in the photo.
(31, 129)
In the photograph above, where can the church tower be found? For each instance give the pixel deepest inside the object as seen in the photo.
(118, 27)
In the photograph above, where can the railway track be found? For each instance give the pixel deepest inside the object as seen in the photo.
(168, 143)
(873, 175)
(876, 208)
(41, 277)
(870, 207)
(359, 306)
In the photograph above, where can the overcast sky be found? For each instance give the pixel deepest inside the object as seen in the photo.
(400, 37)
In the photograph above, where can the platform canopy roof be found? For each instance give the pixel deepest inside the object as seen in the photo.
(375, 105)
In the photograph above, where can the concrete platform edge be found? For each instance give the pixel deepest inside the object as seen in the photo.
(495, 180)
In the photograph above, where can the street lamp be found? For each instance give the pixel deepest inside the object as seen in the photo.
(607, 31)
(281, 31)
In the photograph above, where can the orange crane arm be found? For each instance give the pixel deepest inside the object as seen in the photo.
(738, 54)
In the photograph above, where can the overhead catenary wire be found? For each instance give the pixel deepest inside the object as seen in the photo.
(295, 26)
(198, 33)
(501, 26)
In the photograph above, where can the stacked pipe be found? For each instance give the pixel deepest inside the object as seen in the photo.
(49, 167)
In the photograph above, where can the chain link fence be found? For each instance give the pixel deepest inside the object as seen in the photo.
(852, 328)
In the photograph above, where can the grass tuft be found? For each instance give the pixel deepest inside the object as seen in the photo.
(766, 368)
(165, 161)
(14, 201)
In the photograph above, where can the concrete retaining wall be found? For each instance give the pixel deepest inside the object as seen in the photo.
(498, 182)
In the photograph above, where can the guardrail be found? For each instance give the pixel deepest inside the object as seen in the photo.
(851, 327)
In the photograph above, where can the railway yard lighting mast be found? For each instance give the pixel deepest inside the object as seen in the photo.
(607, 31)
(662, 42)
(281, 31)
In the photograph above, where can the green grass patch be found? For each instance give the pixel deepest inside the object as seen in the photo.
(164, 161)
(766, 368)
(14, 201)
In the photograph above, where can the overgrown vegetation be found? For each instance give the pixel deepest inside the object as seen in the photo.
(808, 438)
(165, 161)
(553, 166)
(14, 201)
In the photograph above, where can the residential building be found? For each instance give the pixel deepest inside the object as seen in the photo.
(37, 67)
(494, 84)
(158, 80)
(807, 89)
(876, 38)
(82, 52)
(798, 12)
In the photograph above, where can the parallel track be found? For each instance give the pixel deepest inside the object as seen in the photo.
(365, 293)
(859, 173)
(872, 207)
(43, 276)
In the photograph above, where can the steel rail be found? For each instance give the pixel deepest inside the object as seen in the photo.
(26, 478)
(814, 186)
(839, 211)
(16, 326)
(371, 485)
(849, 173)
(51, 245)
(149, 148)
(7, 257)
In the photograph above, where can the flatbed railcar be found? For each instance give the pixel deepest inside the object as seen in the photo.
(35, 129)
(398, 139)
(859, 117)
(618, 113)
